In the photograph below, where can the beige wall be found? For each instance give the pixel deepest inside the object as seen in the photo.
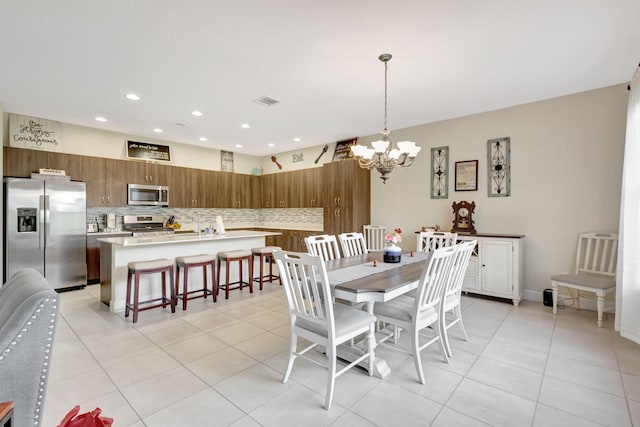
(100, 143)
(566, 164)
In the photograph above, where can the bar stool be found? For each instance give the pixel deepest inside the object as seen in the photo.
(228, 257)
(187, 262)
(265, 253)
(163, 266)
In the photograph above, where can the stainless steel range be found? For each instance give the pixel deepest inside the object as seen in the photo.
(146, 225)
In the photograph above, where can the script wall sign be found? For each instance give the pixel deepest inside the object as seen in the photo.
(34, 133)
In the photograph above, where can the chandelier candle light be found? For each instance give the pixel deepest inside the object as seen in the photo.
(382, 156)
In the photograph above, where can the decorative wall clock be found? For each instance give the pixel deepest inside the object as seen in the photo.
(440, 172)
(463, 217)
(499, 167)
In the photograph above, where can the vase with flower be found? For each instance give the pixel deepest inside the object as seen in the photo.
(392, 253)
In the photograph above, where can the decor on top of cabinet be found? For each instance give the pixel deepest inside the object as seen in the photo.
(499, 169)
(324, 150)
(148, 151)
(344, 149)
(440, 172)
(463, 217)
(226, 161)
(34, 133)
(274, 160)
(382, 156)
(467, 175)
(392, 253)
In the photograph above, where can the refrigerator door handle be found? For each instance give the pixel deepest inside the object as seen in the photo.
(41, 220)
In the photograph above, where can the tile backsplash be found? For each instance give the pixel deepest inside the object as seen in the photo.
(294, 219)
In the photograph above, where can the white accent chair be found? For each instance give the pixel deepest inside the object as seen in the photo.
(315, 317)
(595, 270)
(417, 314)
(323, 245)
(352, 244)
(374, 237)
(431, 240)
(451, 300)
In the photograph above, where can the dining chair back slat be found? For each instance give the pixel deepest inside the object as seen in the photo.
(374, 237)
(432, 240)
(324, 245)
(352, 244)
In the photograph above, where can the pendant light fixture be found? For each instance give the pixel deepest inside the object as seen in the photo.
(383, 156)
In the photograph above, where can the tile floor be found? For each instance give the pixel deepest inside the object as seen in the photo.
(221, 364)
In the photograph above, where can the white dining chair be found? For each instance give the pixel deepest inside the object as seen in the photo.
(315, 317)
(430, 240)
(595, 270)
(323, 245)
(352, 244)
(417, 314)
(453, 291)
(374, 237)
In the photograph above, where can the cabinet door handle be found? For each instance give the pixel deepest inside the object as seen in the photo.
(339, 201)
(108, 200)
(150, 178)
(103, 200)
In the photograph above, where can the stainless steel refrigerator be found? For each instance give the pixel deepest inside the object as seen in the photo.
(45, 229)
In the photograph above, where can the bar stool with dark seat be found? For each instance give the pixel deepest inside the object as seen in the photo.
(265, 253)
(187, 262)
(228, 257)
(164, 266)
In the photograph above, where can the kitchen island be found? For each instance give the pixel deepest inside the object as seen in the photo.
(117, 252)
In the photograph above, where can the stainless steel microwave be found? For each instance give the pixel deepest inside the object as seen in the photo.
(147, 195)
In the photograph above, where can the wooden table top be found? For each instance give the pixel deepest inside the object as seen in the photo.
(384, 281)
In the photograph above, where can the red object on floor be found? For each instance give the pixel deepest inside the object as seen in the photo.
(89, 419)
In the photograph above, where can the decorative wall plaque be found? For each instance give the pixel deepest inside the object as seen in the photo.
(467, 175)
(440, 172)
(34, 133)
(226, 161)
(343, 149)
(499, 167)
(148, 151)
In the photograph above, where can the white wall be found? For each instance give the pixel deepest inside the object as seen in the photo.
(566, 164)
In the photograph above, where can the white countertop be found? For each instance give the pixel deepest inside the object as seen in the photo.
(183, 238)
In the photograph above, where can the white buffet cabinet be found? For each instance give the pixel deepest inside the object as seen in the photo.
(117, 252)
(495, 268)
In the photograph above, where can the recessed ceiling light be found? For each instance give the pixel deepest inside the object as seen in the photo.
(133, 97)
(297, 139)
(245, 126)
(158, 130)
(196, 113)
(271, 144)
(101, 119)
(238, 145)
(202, 138)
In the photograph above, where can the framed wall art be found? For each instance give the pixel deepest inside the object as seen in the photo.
(467, 175)
(440, 173)
(499, 167)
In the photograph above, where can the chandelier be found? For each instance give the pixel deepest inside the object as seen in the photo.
(382, 156)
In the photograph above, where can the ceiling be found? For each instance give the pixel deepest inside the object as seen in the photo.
(73, 60)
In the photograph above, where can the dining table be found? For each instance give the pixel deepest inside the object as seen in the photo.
(368, 279)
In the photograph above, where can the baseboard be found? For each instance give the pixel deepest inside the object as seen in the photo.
(585, 303)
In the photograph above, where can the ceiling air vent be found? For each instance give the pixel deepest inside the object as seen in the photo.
(267, 101)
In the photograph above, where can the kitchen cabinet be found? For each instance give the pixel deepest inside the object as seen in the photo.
(106, 181)
(311, 191)
(290, 240)
(190, 188)
(294, 189)
(495, 268)
(21, 162)
(239, 191)
(140, 172)
(346, 197)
